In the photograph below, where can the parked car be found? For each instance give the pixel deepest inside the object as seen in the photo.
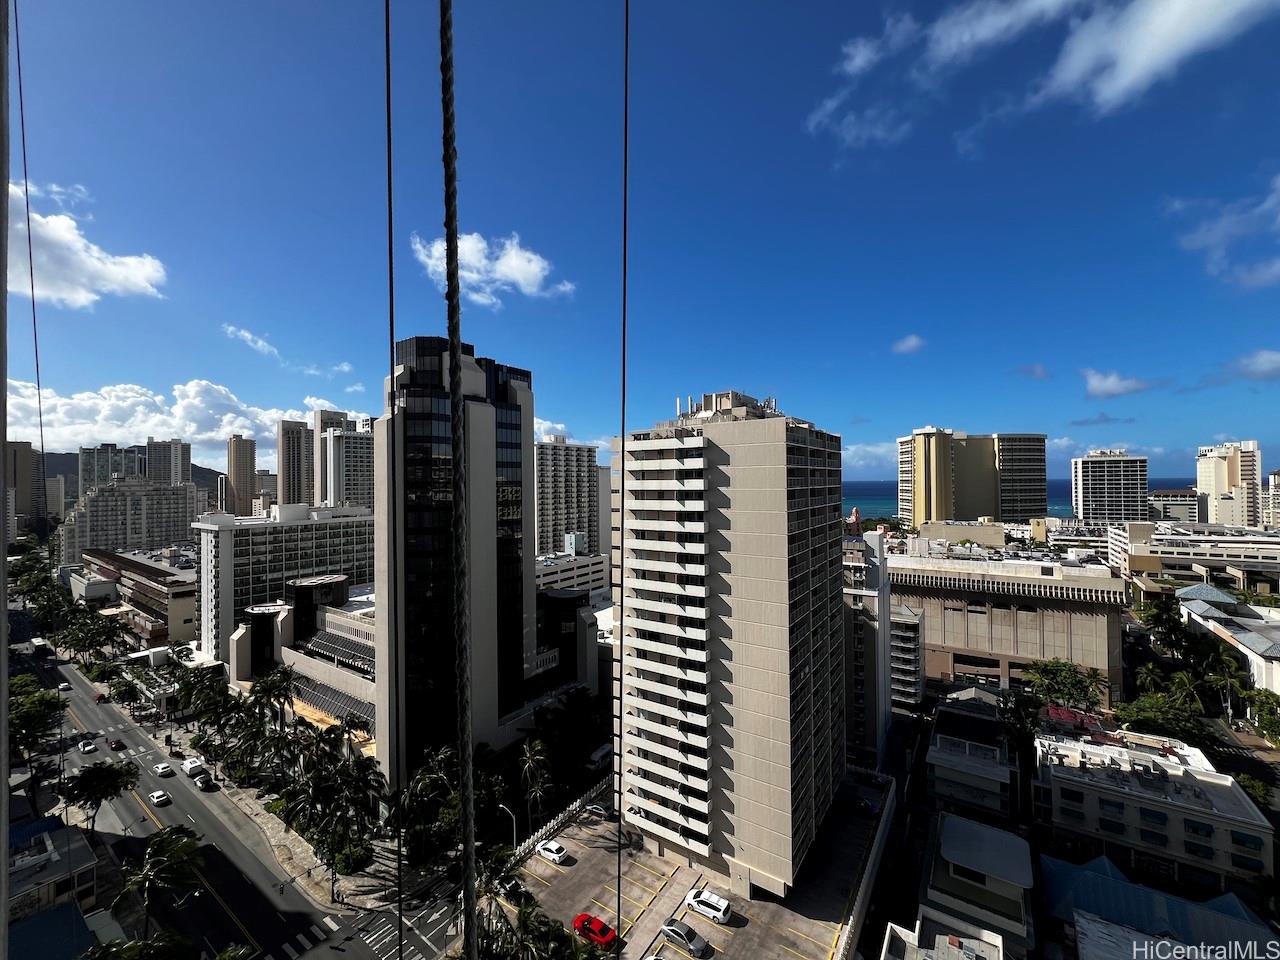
(598, 811)
(88, 746)
(513, 891)
(115, 744)
(550, 850)
(64, 686)
(594, 930)
(204, 782)
(686, 938)
(162, 770)
(710, 905)
(159, 798)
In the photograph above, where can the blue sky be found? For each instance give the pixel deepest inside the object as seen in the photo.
(1049, 215)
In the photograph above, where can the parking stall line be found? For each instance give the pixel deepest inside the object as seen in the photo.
(636, 903)
(642, 885)
(529, 873)
(660, 876)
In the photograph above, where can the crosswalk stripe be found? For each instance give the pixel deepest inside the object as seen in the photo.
(306, 944)
(318, 933)
(293, 954)
(328, 922)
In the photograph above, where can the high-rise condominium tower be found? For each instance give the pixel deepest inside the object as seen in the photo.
(1109, 486)
(414, 467)
(347, 455)
(568, 487)
(99, 464)
(321, 421)
(242, 464)
(947, 475)
(295, 457)
(168, 461)
(732, 657)
(1229, 482)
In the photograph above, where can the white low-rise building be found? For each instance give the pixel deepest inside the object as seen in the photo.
(1253, 632)
(1153, 805)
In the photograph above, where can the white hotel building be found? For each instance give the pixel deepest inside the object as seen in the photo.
(732, 673)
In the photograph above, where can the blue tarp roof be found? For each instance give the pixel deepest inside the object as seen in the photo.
(1099, 887)
(21, 833)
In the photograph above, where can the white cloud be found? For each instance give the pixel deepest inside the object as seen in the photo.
(1227, 226)
(71, 271)
(1036, 371)
(354, 388)
(870, 457)
(251, 340)
(342, 367)
(1260, 365)
(911, 343)
(487, 270)
(1117, 52)
(1060, 444)
(545, 428)
(200, 411)
(1110, 53)
(1102, 384)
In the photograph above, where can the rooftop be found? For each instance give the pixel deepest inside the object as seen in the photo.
(1153, 767)
(935, 940)
(995, 853)
(281, 513)
(1101, 889)
(1255, 628)
(177, 564)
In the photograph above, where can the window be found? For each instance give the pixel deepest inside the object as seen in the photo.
(1110, 806)
(1204, 851)
(1111, 826)
(1154, 837)
(1246, 840)
(972, 876)
(1197, 828)
(1072, 814)
(1157, 817)
(1252, 864)
(1071, 796)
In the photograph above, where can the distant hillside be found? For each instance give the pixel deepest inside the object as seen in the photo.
(68, 465)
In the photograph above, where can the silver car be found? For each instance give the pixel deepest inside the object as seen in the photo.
(686, 938)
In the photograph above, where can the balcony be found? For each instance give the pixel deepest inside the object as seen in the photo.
(665, 546)
(658, 626)
(662, 606)
(665, 586)
(669, 690)
(697, 655)
(701, 741)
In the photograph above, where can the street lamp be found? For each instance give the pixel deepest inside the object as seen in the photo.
(514, 834)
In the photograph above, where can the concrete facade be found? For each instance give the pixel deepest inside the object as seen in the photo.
(158, 590)
(947, 475)
(1229, 481)
(732, 673)
(568, 493)
(242, 466)
(983, 621)
(295, 462)
(1109, 486)
(99, 464)
(319, 422)
(868, 648)
(128, 513)
(246, 561)
(347, 458)
(168, 461)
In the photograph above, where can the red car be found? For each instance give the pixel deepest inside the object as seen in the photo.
(115, 744)
(594, 930)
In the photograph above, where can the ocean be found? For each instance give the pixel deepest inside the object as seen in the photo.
(879, 498)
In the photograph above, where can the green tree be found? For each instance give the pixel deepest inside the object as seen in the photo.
(1184, 691)
(34, 716)
(1062, 682)
(533, 772)
(1265, 707)
(1158, 714)
(1259, 791)
(170, 865)
(1149, 677)
(163, 946)
(125, 692)
(92, 786)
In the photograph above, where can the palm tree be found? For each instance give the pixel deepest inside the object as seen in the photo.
(163, 946)
(1226, 678)
(92, 786)
(1096, 684)
(1149, 677)
(533, 764)
(171, 864)
(1184, 691)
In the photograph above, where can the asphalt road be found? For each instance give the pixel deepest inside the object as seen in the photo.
(244, 897)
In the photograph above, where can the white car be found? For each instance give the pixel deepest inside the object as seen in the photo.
(162, 770)
(64, 686)
(88, 746)
(710, 905)
(550, 850)
(159, 798)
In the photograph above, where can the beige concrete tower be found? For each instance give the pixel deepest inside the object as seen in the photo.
(732, 673)
(242, 464)
(294, 462)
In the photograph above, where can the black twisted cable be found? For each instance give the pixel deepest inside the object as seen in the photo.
(461, 572)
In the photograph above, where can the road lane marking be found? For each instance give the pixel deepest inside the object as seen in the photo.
(191, 818)
(222, 903)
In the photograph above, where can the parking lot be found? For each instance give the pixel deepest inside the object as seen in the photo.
(804, 926)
